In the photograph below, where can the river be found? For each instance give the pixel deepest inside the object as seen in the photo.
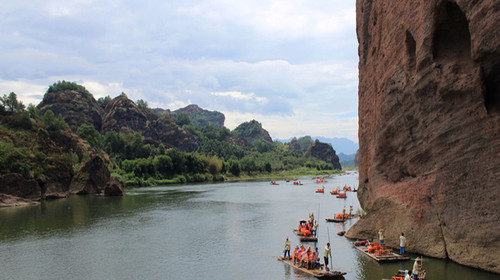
(209, 231)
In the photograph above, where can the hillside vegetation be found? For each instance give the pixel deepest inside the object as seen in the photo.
(140, 145)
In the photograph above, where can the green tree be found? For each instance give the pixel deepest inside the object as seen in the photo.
(143, 106)
(181, 119)
(52, 123)
(103, 101)
(10, 104)
(268, 167)
(234, 167)
(214, 165)
(89, 133)
(163, 165)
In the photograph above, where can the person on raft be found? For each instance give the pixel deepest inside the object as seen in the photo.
(315, 227)
(305, 228)
(295, 253)
(287, 248)
(402, 244)
(417, 267)
(326, 254)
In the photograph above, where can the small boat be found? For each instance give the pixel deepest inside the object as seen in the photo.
(297, 183)
(334, 192)
(341, 195)
(318, 273)
(320, 190)
(274, 183)
(375, 251)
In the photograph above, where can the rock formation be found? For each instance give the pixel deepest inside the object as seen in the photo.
(248, 132)
(94, 178)
(429, 126)
(325, 152)
(76, 106)
(166, 131)
(202, 117)
(123, 115)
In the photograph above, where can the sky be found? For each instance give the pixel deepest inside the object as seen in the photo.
(289, 64)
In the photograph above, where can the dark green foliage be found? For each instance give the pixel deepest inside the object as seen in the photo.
(143, 106)
(304, 143)
(64, 85)
(181, 119)
(10, 105)
(14, 159)
(103, 101)
(52, 123)
(234, 167)
(221, 149)
(248, 129)
(33, 112)
(262, 146)
(89, 133)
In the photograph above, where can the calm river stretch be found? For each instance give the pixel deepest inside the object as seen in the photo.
(210, 231)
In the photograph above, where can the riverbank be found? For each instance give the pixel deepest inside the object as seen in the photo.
(209, 178)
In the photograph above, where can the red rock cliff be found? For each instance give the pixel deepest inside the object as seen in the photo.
(429, 126)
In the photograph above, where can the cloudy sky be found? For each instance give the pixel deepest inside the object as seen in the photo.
(289, 64)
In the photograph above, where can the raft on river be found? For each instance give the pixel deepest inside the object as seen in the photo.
(339, 219)
(374, 251)
(305, 238)
(318, 273)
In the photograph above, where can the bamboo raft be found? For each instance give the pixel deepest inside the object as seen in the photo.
(388, 257)
(339, 220)
(318, 273)
(402, 273)
(308, 238)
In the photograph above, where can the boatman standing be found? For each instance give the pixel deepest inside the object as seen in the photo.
(287, 248)
(402, 244)
(350, 211)
(417, 267)
(343, 213)
(328, 253)
(381, 236)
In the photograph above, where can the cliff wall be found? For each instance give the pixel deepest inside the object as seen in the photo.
(429, 126)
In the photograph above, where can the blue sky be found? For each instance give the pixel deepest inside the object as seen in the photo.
(291, 65)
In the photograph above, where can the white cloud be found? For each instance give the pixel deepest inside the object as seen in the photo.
(241, 96)
(275, 59)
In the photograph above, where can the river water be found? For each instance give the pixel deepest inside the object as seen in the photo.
(210, 231)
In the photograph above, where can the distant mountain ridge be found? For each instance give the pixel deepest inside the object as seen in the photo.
(340, 145)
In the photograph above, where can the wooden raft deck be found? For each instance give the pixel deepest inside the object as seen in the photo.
(318, 273)
(302, 238)
(389, 257)
(339, 220)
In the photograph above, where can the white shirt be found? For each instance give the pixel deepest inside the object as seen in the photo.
(402, 241)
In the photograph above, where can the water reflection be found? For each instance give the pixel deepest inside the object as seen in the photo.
(228, 231)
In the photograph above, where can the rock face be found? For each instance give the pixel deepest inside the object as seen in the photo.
(202, 117)
(252, 131)
(325, 152)
(76, 106)
(429, 126)
(122, 115)
(92, 178)
(14, 184)
(166, 131)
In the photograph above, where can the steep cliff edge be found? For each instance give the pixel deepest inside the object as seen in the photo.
(429, 126)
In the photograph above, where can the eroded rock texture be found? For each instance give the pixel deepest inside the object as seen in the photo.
(429, 124)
